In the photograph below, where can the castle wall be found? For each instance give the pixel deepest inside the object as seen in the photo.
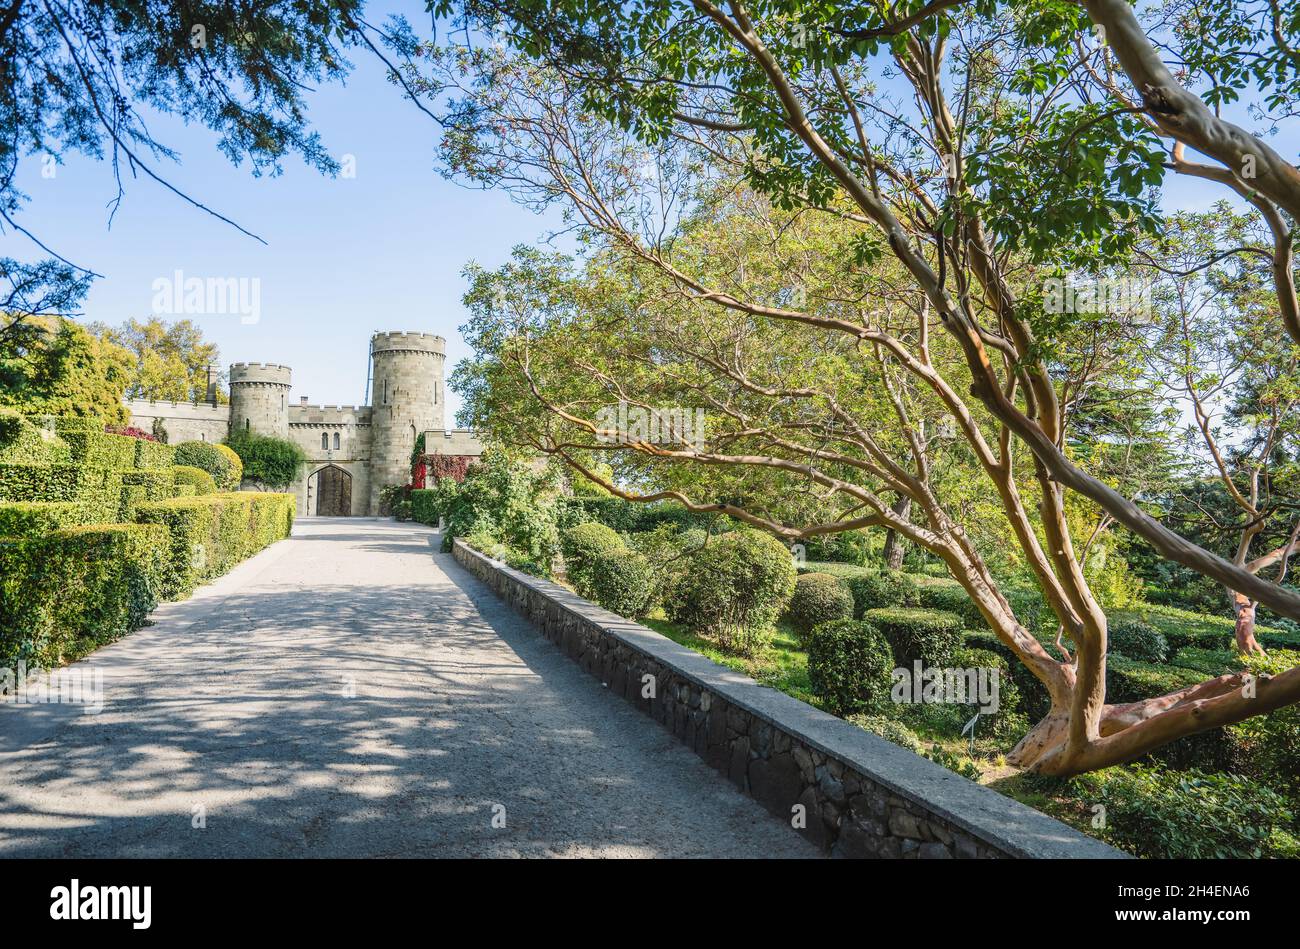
(406, 399)
(454, 441)
(307, 425)
(183, 421)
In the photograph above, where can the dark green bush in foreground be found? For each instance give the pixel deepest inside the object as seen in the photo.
(583, 546)
(1153, 812)
(66, 593)
(736, 587)
(1138, 640)
(886, 588)
(849, 666)
(818, 598)
(931, 636)
(622, 582)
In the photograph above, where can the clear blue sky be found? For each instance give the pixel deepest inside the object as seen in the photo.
(344, 257)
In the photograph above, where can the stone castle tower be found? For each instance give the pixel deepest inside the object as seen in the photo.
(354, 451)
(406, 399)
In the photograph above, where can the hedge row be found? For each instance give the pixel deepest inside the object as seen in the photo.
(21, 519)
(210, 534)
(66, 593)
(22, 442)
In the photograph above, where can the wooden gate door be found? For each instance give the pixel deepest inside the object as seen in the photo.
(333, 492)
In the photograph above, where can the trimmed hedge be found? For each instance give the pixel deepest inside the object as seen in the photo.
(582, 546)
(37, 518)
(100, 489)
(931, 636)
(23, 442)
(198, 480)
(424, 506)
(100, 449)
(152, 455)
(217, 460)
(1137, 640)
(210, 534)
(850, 666)
(623, 582)
(64, 594)
(881, 590)
(818, 598)
(141, 486)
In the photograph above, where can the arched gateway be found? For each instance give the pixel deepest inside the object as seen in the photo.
(331, 486)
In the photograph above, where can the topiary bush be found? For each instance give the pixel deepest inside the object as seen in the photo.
(1138, 640)
(849, 666)
(582, 547)
(1192, 815)
(887, 588)
(37, 518)
(267, 460)
(202, 482)
(68, 592)
(23, 442)
(930, 636)
(622, 582)
(818, 598)
(737, 586)
(217, 460)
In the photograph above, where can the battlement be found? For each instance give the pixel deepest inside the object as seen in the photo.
(404, 341)
(263, 373)
(329, 414)
(167, 407)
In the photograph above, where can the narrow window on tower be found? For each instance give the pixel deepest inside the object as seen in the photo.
(385, 392)
(324, 441)
(336, 441)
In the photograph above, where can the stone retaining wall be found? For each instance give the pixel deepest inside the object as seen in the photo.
(861, 796)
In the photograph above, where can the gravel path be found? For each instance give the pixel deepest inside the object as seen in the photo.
(350, 692)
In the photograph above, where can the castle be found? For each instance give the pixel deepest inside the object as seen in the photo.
(354, 451)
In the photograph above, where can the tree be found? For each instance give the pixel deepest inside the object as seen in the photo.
(967, 208)
(52, 365)
(269, 462)
(173, 362)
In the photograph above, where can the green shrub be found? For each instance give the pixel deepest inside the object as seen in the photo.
(1268, 746)
(267, 460)
(582, 547)
(736, 587)
(1128, 680)
(68, 592)
(1138, 640)
(99, 489)
(36, 518)
(217, 460)
(100, 449)
(886, 588)
(1191, 815)
(424, 506)
(23, 442)
(669, 552)
(930, 636)
(945, 593)
(199, 480)
(210, 534)
(818, 598)
(141, 486)
(150, 455)
(849, 666)
(622, 581)
(889, 729)
(1008, 721)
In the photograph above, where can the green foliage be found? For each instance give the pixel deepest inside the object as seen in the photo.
(153, 454)
(170, 361)
(267, 460)
(818, 598)
(201, 481)
(623, 582)
(76, 588)
(1138, 640)
(852, 547)
(1192, 815)
(1007, 722)
(849, 666)
(100, 490)
(626, 517)
(736, 587)
(1268, 746)
(22, 442)
(424, 506)
(54, 366)
(931, 636)
(506, 498)
(225, 466)
(889, 729)
(96, 448)
(886, 588)
(209, 535)
(583, 547)
(35, 519)
(141, 486)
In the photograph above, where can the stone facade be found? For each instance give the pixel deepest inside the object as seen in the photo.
(363, 448)
(849, 791)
